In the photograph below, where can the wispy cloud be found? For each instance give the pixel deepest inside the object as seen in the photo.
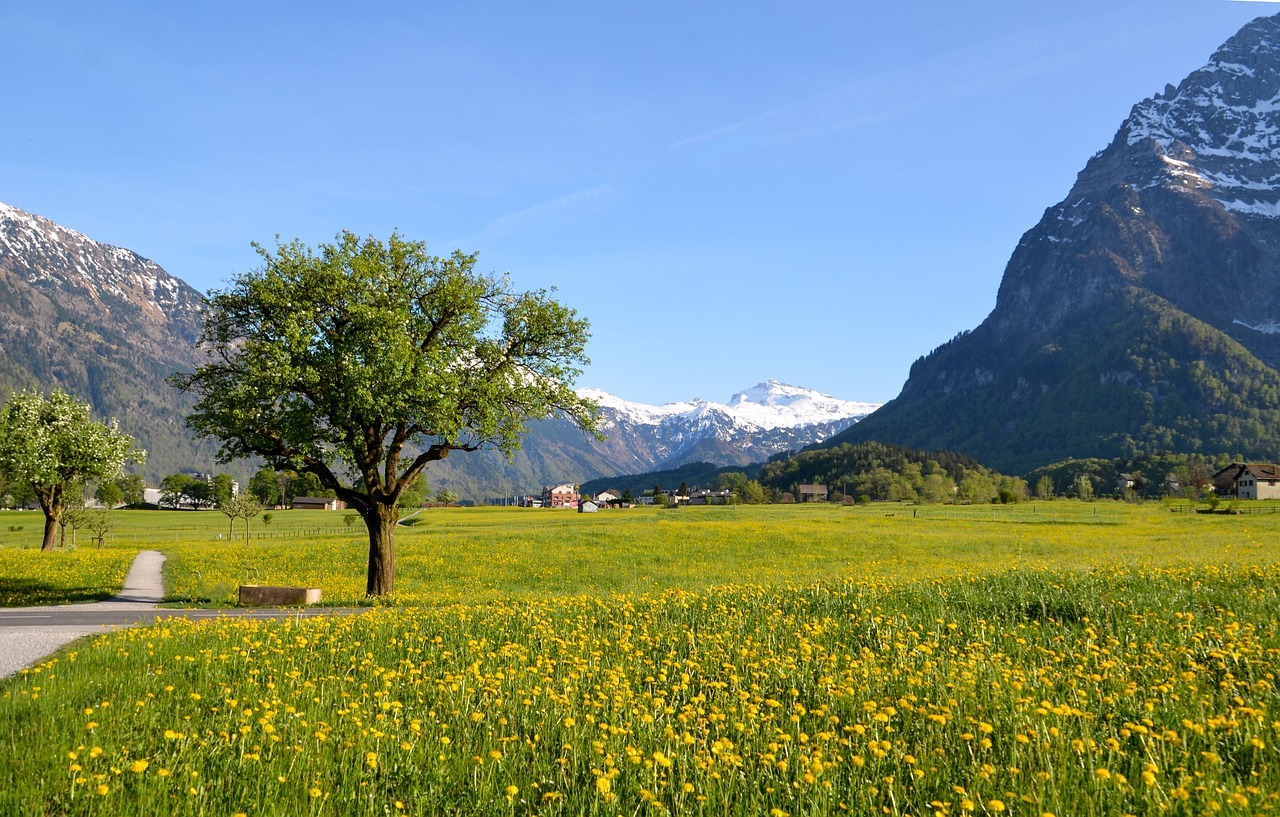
(554, 213)
(894, 94)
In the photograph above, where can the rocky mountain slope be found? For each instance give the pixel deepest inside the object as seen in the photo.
(101, 323)
(1142, 313)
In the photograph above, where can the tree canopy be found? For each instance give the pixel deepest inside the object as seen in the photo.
(362, 361)
(53, 442)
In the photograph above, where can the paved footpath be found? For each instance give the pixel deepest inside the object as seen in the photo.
(28, 634)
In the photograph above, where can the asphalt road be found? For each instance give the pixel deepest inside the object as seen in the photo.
(29, 634)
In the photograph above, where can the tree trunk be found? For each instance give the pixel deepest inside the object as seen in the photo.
(50, 499)
(50, 532)
(381, 520)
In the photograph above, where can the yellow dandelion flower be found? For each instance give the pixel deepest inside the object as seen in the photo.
(103, 788)
(139, 766)
(603, 785)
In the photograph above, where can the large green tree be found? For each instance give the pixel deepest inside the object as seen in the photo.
(265, 487)
(53, 442)
(362, 361)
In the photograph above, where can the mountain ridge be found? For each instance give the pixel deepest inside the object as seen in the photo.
(104, 324)
(757, 423)
(1168, 233)
(108, 326)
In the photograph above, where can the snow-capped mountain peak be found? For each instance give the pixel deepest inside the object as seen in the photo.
(755, 424)
(766, 406)
(52, 257)
(1219, 129)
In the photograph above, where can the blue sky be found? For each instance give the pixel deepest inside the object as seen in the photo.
(818, 192)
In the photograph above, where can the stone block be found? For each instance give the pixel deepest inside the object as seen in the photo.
(260, 595)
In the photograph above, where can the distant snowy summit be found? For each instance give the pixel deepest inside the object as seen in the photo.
(55, 258)
(766, 406)
(755, 424)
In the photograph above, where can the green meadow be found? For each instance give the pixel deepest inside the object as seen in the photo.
(480, 555)
(1050, 658)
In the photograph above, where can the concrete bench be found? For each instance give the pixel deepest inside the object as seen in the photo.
(261, 595)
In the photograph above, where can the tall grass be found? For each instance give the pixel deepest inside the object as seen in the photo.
(1112, 691)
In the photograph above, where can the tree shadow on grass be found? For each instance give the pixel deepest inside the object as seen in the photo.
(34, 593)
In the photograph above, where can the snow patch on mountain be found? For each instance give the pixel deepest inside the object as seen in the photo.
(766, 406)
(55, 256)
(1219, 130)
(1267, 327)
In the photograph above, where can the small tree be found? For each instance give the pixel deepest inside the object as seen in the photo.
(266, 519)
(173, 489)
(99, 522)
(368, 360)
(247, 508)
(71, 516)
(133, 489)
(199, 494)
(306, 484)
(446, 497)
(414, 494)
(229, 510)
(221, 488)
(52, 442)
(1084, 488)
(109, 493)
(1044, 487)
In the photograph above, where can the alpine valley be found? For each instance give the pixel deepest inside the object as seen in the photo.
(1142, 313)
(753, 426)
(107, 326)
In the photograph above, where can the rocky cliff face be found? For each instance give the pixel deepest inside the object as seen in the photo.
(101, 323)
(1184, 203)
(1143, 310)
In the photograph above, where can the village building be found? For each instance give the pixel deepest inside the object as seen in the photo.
(564, 495)
(317, 503)
(705, 496)
(1245, 480)
(811, 493)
